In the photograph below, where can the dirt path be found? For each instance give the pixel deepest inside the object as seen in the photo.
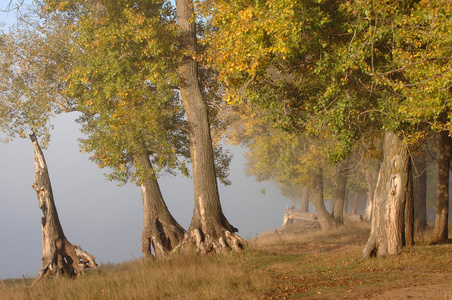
(431, 287)
(424, 274)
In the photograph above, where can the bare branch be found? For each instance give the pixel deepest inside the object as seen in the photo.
(11, 6)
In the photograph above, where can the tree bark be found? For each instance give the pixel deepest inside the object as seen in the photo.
(325, 219)
(338, 212)
(160, 230)
(59, 257)
(209, 229)
(391, 228)
(442, 202)
(420, 190)
(304, 199)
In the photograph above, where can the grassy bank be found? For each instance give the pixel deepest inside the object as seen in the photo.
(275, 266)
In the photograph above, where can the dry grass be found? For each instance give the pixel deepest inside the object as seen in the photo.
(219, 277)
(275, 266)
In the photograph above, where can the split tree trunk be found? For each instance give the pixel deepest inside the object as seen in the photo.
(442, 202)
(160, 230)
(209, 229)
(325, 219)
(392, 210)
(338, 212)
(420, 190)
(304, 199)
(59, 257)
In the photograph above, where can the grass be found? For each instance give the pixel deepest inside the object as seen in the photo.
(275, 266)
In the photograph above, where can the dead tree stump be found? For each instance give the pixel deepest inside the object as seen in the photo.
(59, 257)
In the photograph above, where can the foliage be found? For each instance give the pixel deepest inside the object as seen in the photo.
(343, 70)
(127, 85)
(35, 56)
(286, 158)
(406, 49)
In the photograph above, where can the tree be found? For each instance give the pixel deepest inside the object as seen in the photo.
(420, 188)
(209, 229)
(133, 118)
(312, 77)
(31, 64)
(285, 158)
(392, 205)
(59, 256)
(441, 231)
(410, 57)
(338, 212)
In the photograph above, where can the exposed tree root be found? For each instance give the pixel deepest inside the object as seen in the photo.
(204, 244)
(65, 259)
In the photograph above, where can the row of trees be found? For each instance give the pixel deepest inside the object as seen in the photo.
(312, 87)
(346, 73)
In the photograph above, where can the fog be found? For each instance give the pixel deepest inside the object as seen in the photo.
(104, 219)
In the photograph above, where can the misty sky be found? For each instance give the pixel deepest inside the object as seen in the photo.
(104, 219)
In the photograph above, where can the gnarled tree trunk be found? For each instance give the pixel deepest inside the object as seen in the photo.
(59, 257)
(392, 210)
(160, 229)
(325, 219)
(209, 229)
(442, 202)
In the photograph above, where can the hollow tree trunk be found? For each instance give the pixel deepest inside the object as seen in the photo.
(160, 230)
(325, 219)
(209, 229)
(59, 257)
(338, 212)
(442, 202)
(392, 226)
(304, 199)
(420, 190)
(355, 203)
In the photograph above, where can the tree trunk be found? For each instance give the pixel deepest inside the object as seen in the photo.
(160, 229)
(345, 208)
(442, 202)
(59, 257)
(420, 190)
(332, 204)
(338, 212)
(371, 179)
(209, 229)
(325, 219)
(391, 229)
(355, 203)
(304, 199)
